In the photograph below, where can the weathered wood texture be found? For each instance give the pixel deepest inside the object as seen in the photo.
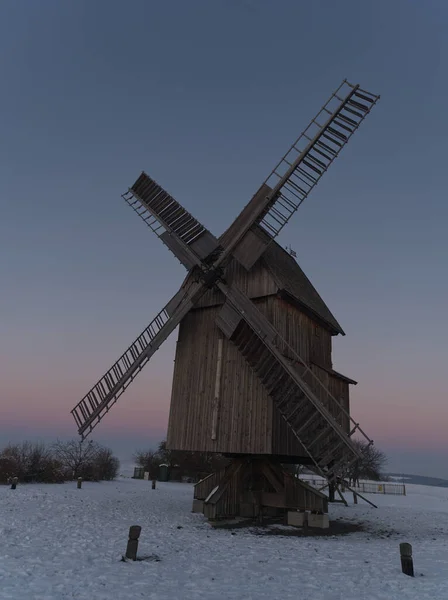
(310, 340)
(235, 414)
(203, 487)
(299, 494)
(132, 545)
(338, 388)
(245, 410)
(249, 485)
(407, 563)
(247, 421)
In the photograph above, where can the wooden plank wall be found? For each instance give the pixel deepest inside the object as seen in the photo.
(203, 488)
(247, 420)
(339, 389)
(310, 341)
(245, 409)
(299, 494)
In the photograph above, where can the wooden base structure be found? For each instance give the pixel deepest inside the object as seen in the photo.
(254, 486)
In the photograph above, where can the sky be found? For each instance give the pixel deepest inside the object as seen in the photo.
(206, 96)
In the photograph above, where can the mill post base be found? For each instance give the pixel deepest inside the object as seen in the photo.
(253, 487)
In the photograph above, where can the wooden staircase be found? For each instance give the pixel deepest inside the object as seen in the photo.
(290, 382)
(323, 439)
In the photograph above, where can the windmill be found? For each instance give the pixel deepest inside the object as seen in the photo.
(253, 377)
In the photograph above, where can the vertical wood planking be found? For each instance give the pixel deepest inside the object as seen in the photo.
(248, 421)
(243, 421)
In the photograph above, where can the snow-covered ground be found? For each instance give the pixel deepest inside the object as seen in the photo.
(57, 542)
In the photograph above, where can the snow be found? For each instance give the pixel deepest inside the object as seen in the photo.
(58, 542)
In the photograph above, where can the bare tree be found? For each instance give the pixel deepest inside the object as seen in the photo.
(190, 464)
(105, 465)
(54, 464)
(370, 465)
(147, 459)
(76, 457)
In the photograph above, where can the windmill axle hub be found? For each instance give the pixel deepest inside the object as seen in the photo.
(211, 277)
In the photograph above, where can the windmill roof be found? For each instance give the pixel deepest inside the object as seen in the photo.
(336, 374)
(285, 270)
(291, 279)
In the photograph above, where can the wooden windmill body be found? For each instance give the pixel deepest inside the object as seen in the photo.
(218, 403)
(253, 375)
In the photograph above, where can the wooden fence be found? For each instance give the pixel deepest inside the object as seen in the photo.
(394, 489)
(367, 487)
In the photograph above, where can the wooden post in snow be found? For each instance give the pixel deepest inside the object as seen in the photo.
(79, 484)
(14, 482)
(355, 498)
(407, 564)
(153, 484)
(131, 549)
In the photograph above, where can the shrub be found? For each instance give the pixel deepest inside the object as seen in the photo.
(29, 462)
(105, 465)
(60, 462)
(194, 465)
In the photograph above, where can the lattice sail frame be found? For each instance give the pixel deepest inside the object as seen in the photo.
(299, 170)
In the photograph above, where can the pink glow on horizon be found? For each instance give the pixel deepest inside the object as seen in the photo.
(48, 405)
(392, 414)
(391, 426)
(402, 423)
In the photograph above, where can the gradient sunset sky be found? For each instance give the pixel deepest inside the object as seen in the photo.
(206, 96)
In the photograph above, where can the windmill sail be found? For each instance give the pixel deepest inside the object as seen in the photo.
(98, 401)
(300, 169)
(324, 440)
(187, 239)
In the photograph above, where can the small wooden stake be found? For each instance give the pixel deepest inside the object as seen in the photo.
(355, 498)
(15, 480)
(79, 483)
(131, 549)
(407, 564)
(153, 484)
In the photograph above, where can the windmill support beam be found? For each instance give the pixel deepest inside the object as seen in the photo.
(255, 486)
